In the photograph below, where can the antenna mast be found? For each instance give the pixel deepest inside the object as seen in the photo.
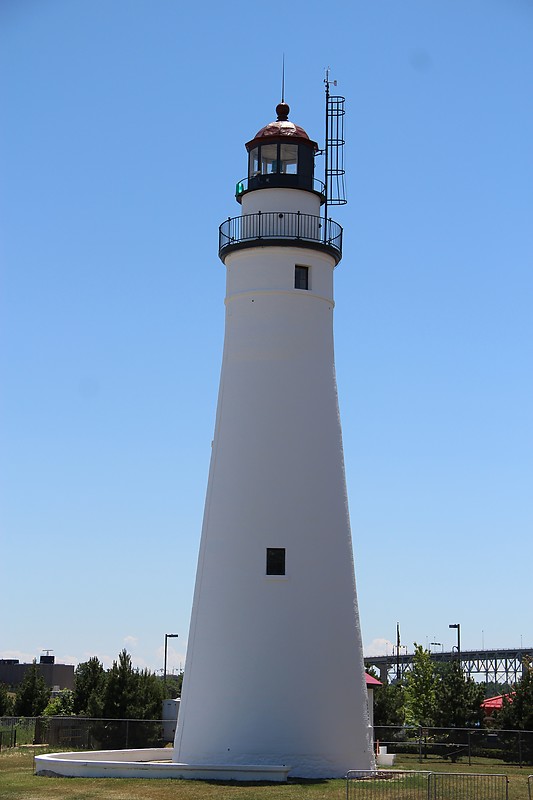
(334, 151)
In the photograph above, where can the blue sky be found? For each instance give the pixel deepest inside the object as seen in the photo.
(122, 138)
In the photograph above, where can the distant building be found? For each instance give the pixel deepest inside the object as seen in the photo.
(55, 675)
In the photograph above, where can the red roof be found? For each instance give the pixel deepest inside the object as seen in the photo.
(494, 703)
(370, 681)
(282, 127)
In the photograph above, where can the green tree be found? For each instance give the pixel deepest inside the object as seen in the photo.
(6, 701)
(130, 694)
(389, 708)
(61, 705)
(89, 685)
(494, 689)
(516, 714)
(517, 710)
(420, 689)
(119, 698)
(32, 695)
(174, 684)
(458, 698)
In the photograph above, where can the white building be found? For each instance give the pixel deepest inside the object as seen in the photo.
(274, 665)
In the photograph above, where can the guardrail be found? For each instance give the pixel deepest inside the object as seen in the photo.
(388, 784)
(280, 227)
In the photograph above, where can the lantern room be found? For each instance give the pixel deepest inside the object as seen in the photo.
(281, 155)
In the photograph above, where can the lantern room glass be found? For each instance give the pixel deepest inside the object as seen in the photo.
(253, 165)
(287, 164)
(288, 158)
(269, 159)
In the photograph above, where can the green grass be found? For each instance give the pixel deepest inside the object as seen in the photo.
(17, 782)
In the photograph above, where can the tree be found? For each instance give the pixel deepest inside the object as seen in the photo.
(90, 680)
(130, 694)
(420, 689)
(32, 695)
(495, 689)
(516, 714)
(120, 690)
(61, 705)
(517, 710)
(389, 708)
(6, 701)
(458, 698)
(174, 684)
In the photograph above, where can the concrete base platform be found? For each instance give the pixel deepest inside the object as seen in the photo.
(152, 762)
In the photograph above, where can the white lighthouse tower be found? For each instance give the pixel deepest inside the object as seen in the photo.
(274, 670)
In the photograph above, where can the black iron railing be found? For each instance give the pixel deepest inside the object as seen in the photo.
(280, 228)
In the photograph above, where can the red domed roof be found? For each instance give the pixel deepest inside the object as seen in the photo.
(282, 127)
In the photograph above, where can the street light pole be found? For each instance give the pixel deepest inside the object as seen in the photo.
(167, 637)
(457, 625)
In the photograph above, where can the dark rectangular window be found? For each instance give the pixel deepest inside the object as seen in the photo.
(301, 277)
(275, 561)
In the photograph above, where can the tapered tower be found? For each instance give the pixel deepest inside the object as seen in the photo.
(274, 670)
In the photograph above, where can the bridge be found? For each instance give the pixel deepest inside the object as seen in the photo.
(500, 666)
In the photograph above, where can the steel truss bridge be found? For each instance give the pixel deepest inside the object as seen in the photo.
(500, 666)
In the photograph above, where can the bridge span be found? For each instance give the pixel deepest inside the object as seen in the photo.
(500, 666)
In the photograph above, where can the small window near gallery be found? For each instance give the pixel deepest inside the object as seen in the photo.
(275, 561)
(301, 277)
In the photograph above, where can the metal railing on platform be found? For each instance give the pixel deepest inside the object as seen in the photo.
(280, 227)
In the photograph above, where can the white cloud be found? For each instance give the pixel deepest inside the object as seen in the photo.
(24, 658)
(131, 641)
(378, 647)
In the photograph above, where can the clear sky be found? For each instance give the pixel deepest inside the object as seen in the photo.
(122, 136)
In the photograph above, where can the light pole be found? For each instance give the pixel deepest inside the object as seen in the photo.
(457, 625)
(167, 637)
(399, 648)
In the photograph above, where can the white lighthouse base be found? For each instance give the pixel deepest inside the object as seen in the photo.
(153, 762)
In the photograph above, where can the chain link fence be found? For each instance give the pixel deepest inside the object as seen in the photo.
(73, 733)
(467, 745)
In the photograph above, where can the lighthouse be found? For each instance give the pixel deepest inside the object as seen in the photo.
(274, 672)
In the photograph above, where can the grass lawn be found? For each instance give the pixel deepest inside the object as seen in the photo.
(17, 782)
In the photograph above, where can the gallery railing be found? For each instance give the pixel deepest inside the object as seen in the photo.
(280, 228)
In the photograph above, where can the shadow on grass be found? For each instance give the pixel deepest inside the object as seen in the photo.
(289, 782)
